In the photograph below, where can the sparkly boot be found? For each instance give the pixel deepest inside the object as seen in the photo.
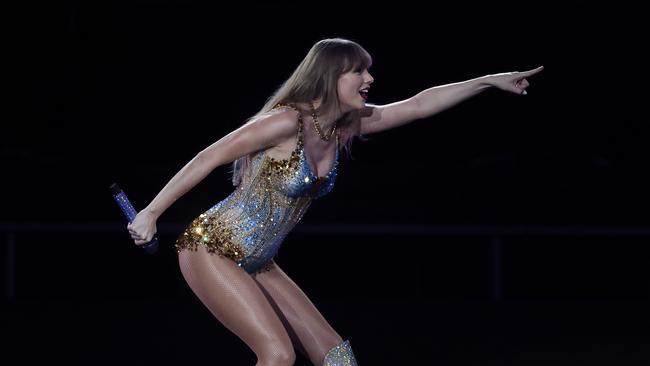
(340, 355)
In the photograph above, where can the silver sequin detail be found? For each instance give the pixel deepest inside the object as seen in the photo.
(251, 223)
(340, 355)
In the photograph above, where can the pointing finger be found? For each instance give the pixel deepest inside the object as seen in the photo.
(533, 71)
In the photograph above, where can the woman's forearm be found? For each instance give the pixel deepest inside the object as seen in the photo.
(439, 98)
(186, 178)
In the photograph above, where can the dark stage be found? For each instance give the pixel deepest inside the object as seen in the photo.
(506, 230)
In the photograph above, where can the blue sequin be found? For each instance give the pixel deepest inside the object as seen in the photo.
(250, 224)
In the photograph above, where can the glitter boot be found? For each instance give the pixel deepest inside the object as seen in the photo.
(340, 355)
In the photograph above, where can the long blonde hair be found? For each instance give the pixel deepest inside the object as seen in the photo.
(317, 77)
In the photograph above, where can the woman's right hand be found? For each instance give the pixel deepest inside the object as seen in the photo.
(143, 227)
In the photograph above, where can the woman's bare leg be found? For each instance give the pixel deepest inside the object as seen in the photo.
(236, 300)
(309, 330)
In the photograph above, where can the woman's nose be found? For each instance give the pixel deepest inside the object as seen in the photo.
(369, 79)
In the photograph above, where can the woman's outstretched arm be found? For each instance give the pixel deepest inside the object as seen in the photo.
(434, 100)
(258, 135)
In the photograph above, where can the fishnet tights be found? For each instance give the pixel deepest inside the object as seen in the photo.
(267, 311)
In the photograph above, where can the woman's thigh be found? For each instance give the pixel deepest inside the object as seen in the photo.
(236, 300)
(307, 326)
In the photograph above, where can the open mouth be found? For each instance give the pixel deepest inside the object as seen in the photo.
(364, 93)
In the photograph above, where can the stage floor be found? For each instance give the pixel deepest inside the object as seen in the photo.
(382, 332)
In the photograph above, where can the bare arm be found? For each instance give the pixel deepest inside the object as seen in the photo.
(436, 99)
(258, 135)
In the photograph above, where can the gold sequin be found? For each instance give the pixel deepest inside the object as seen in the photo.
(254, 219)
(216, 239)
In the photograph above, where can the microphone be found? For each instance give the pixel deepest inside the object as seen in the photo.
(130, 213)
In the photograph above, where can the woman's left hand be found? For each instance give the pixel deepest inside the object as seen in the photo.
(514, 82)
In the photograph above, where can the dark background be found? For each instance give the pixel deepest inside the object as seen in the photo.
(507, 230)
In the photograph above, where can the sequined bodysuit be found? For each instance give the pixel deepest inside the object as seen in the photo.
(250, 224)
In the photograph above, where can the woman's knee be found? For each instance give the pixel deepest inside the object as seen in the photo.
(276, 354)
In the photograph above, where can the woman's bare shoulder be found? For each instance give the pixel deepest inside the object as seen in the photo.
(280, 123)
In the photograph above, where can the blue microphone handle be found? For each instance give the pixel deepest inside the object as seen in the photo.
(130, 213)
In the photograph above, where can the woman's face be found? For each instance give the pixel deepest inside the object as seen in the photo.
(353, 89)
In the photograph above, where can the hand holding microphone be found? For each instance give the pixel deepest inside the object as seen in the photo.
(142, 226)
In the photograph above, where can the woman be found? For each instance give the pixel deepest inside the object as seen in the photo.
(284, 157)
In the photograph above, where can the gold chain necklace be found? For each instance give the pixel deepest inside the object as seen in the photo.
(314, 117)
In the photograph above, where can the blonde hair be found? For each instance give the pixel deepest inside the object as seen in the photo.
(317, 77)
